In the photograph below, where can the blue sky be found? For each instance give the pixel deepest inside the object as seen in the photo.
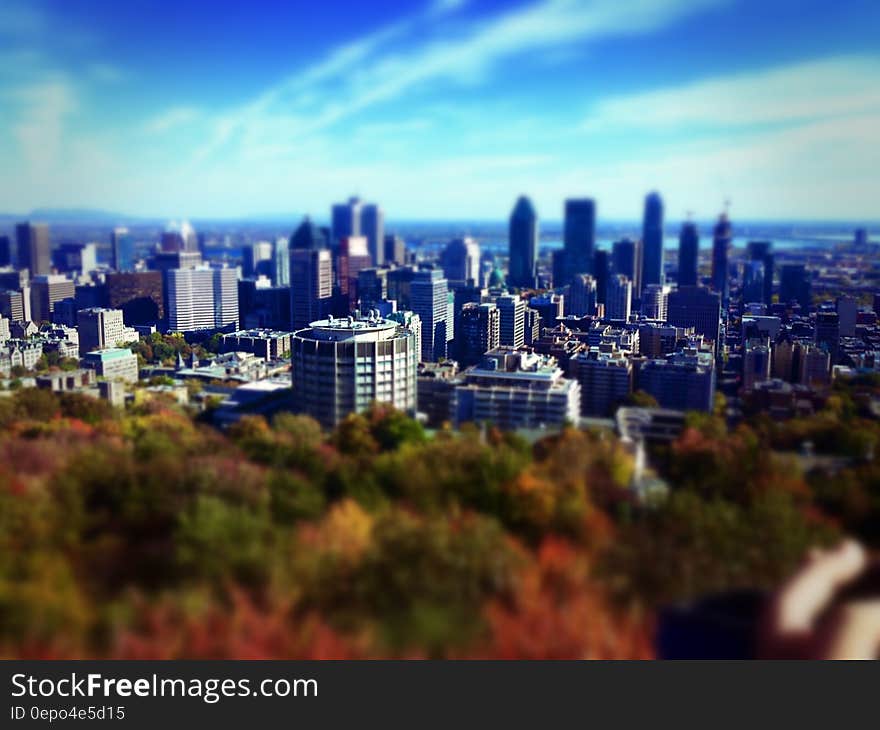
(441, 109)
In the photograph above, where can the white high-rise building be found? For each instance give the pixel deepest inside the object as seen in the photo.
(202, 298)
(100, 328)
(225, 297)
(512, 310)
(429, 298)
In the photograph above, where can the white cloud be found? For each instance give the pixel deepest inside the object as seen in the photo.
(369, 72)
(39, 128)
(106, 73)
(801, 92)
(171, 119)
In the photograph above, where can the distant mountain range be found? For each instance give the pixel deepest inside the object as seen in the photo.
(67, 215)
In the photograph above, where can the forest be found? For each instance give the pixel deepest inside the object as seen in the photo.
(148, 533)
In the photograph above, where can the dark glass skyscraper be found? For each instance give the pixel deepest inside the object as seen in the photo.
(794, 285)
(373, 227)
(308, 236)
(345, 220)
(122, 245)
(579, 236)
(5, 251)
(523, 244)
(652, 240)
(722, 238)
(763, 251)
(697, 307)
(626, 259)
(688, 254)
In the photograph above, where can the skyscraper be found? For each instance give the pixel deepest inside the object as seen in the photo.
(373, 227)
(722, 237)
(847, 313)
(512, 312)
(345, 220)
(280, 263)
(523, 240)
(618, 297)
(180, 237)
(73, 256)
(763, 251)
(626, 259)
(122, 249)
(225, 283)
(827, 333)
(688, 254)
(352, 258)
(461, 262)
(429, 298)
(697, 307)
(579, 237)
(652, 240)
(309, 236)
(480, 332)
(311, 285)
(794, 285)
(581, 299)
(654, 301)
(34, 252)
(45, 291)
(201, 298)
(395, 250)
(753, 282)
(257, 259)
(5, 251)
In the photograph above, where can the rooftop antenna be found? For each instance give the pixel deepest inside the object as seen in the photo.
(689, 214)
(726, 207)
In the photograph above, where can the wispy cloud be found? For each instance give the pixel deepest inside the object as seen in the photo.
(373, 71)
(39, 128)
(801, 92)
(106, 73)
(170, 119)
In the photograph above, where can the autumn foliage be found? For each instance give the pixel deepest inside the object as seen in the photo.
(146, 534)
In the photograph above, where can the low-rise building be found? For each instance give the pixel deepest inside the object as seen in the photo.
(267, 344)
(113, 364)
(514, 389)
(683, 381)
(63, 381)
(605, 378)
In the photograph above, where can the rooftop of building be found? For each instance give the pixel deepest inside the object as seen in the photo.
(515, 364)
(372, 326)
(111, 353)
(263, 334)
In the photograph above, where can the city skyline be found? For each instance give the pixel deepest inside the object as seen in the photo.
(443, 111)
